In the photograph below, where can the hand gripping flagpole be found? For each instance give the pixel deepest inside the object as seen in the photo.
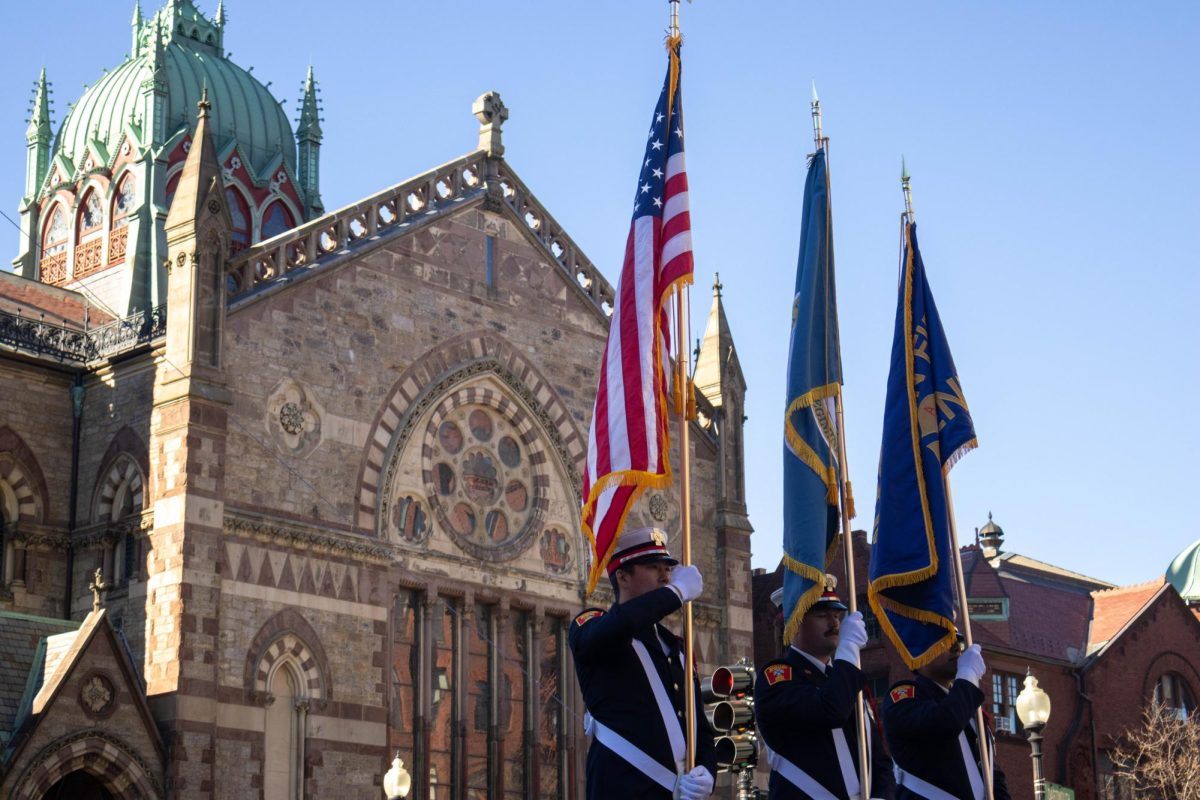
(846, 493)
(683, 407)
(964, 608)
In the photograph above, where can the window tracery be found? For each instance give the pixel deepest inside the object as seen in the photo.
(485, 484)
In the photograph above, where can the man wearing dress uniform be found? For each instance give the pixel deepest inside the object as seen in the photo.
(805, 704)
(630, 671)
(930, 727)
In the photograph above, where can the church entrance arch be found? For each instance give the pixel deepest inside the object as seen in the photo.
(79, 785)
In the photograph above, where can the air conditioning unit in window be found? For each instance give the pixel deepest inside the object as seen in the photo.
(1006, 725)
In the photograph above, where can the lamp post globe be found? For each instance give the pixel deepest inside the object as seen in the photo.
(1033, 708)
(397, 782)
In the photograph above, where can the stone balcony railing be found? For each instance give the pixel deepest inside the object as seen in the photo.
(404, 207)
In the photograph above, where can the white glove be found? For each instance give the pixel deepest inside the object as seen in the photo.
(851, 637)
(687, 583)
(695, 785)
(971, 666)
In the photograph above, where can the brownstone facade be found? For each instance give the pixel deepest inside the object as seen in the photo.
(337, 503)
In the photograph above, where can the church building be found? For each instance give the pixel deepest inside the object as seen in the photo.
(286, 493)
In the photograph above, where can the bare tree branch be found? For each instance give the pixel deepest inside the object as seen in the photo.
(1160, 758)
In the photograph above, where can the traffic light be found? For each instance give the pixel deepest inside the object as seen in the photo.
(729, 704)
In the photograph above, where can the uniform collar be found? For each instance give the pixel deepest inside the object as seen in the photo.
(818, 663)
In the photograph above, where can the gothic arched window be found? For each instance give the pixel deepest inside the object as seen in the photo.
(276, 220)
(91, 215)
(123, 201)
(239, 213)
(54, 240)
(89, 234)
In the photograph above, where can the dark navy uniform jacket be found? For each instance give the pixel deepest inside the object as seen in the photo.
(922, 722)
(618, 694)
(797, 707)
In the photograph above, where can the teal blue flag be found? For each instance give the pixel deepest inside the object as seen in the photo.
(926, 429)
(810, 446)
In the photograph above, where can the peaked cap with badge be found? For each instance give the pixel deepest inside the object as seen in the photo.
(806, 715)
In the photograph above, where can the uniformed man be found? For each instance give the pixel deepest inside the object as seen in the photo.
(631, 672)
(930, 727)
(805, 704)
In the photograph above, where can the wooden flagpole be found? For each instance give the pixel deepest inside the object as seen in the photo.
(985, 754)
(964, 608)
(845, 493)
(682, 334)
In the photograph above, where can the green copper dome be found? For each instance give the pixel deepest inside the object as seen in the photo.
(1184, 572)
(179, 52)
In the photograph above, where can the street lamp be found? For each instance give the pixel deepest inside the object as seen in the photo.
(396, 782)
(1033, 707)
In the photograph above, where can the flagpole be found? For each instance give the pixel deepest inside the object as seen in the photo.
(985, 755)
(685, 477)
(846, 494)
(964, 608)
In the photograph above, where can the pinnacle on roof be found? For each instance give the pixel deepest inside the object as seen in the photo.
(309, 124)
(39, 117)
(717, 353)
(199, 171)
(219, 17)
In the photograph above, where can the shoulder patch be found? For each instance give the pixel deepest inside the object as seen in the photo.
(776, 673)
(588, 615)
(903, 691)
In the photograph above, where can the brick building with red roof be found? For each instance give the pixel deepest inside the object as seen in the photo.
(1101, 652)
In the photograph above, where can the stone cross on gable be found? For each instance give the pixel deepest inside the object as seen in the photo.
(491, 112)
(97, 586)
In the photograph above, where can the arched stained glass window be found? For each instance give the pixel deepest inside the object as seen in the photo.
(276, 220)
(239, 213)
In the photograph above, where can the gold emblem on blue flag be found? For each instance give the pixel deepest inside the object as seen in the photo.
(927, 427)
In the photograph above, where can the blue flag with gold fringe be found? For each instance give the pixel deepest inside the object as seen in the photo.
(810, 446)
(926, 429)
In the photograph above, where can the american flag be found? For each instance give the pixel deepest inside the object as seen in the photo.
(628, 441)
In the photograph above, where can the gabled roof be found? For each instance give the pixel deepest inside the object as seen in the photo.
(21, 641)
(1116, 609)
(62, 655)
(1047, 616)
(473, 180)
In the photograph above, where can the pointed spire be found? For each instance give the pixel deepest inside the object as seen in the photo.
(137, 15)
(39, 119)
(309, 127)
(717, 353)
(199, 171)
(219, 17)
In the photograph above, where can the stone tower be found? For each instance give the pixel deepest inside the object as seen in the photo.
(718, 377)
(187, 480)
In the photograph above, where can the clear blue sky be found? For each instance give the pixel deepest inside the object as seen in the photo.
(1053, 149)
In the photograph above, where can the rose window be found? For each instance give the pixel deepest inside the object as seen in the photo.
(484, 474)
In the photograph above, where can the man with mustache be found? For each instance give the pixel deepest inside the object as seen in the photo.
(930, 726)
(805, 704)
(631, 675)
